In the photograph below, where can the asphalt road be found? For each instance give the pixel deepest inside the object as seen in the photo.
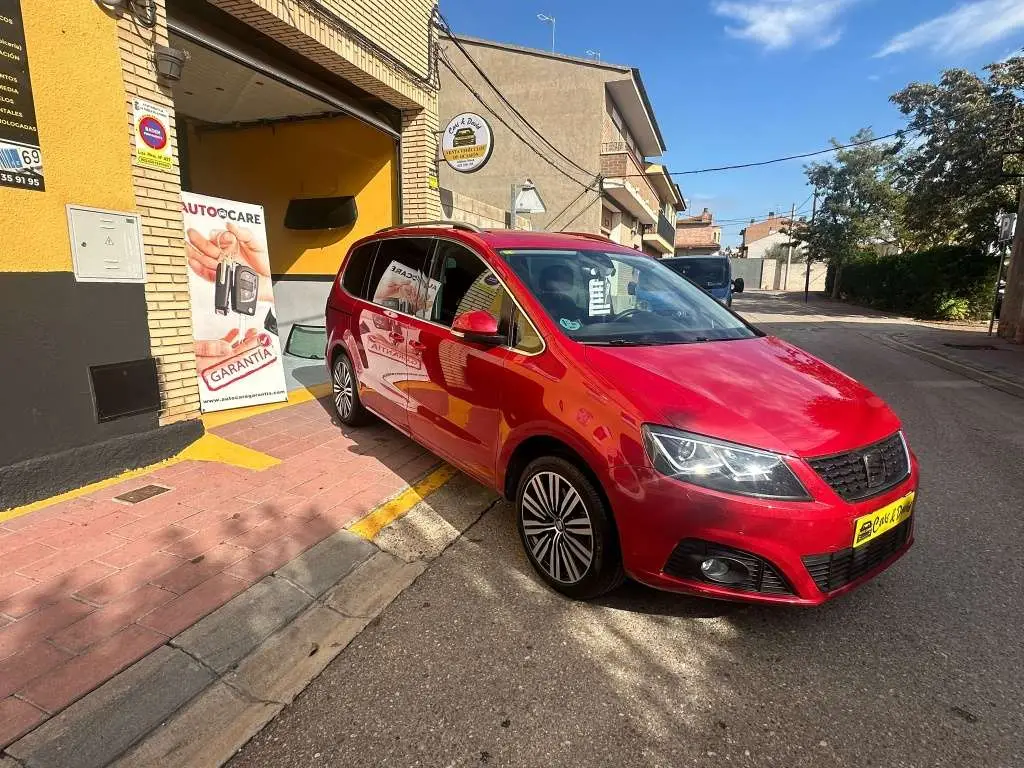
(478, 664)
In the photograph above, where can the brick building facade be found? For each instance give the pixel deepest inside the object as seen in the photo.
(369, 65)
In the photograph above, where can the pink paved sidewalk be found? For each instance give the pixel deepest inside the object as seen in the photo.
(89, 586)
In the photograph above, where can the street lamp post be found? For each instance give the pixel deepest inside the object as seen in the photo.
(549, 20)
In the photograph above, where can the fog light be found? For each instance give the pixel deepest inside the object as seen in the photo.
(723, 570)
(714, 569)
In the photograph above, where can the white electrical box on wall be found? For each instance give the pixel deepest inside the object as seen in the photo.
(106, 246)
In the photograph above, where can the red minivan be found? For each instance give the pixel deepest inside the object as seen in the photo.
(641, 428)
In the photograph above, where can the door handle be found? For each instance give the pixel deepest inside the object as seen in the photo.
(419, 346)
(395, 336)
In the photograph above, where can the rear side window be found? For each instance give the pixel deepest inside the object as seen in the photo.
(398, 279)
(356, 267)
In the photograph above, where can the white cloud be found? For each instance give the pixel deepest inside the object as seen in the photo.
(965, 28)
(778, 24)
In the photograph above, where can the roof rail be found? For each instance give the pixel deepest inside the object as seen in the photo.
(591, 236)
(453, 224)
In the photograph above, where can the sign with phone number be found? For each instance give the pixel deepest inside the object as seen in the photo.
(21, 159)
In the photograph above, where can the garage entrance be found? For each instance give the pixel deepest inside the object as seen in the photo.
(259, 125)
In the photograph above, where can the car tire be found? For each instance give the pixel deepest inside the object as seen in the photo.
(577, 552)
(345, 393)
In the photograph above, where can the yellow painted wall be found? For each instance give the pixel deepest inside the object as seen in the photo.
(270, 165)
(84, 132)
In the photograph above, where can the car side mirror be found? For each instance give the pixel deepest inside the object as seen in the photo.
(737, 285)
(478, 327)
(631, 288)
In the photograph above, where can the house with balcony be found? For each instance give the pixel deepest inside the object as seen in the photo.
(596, 113)
(697, 235)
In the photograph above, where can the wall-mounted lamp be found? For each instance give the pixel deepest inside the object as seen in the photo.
(169, 62)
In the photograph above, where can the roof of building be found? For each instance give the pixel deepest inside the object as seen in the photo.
(540, 52)
(703, 219)
(760, 229)
(619, 92)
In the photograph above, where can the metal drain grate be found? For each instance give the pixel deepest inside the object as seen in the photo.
(141, 494)
(987, 347)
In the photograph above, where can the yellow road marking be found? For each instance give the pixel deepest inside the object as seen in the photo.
(99, 485)
(369, 526)
(305, 395)
(207, 448)
(211, 447)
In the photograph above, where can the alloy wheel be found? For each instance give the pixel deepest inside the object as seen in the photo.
(557, 527)
(342, 386)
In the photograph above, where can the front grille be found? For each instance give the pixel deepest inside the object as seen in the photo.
(836, 569)
(762, 576)
(848, 473)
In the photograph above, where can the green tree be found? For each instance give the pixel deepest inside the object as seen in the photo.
(953, 174)
(858, 204)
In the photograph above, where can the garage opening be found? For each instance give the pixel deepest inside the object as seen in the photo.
(320, 156)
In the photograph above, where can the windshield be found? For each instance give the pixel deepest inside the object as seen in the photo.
(707, 273)
(617, 298)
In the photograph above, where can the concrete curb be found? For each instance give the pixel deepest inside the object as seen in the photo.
(198, 699)
(971, 372)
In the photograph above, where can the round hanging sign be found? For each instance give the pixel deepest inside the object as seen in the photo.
(467, 143)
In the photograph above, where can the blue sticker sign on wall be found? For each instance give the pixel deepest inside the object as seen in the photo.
(21, 159)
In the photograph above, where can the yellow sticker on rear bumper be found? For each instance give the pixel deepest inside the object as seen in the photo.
(881, 520)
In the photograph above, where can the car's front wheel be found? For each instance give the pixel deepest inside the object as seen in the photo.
(345, 391)
(567, 530)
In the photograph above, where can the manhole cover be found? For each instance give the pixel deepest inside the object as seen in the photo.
(972, 346)
(141, 494)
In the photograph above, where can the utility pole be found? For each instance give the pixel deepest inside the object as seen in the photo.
(807, 275)
(1011, 317)
(789, 251)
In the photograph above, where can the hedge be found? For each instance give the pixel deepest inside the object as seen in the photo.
(945, 283)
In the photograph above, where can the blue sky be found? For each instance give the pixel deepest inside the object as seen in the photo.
(735, 81)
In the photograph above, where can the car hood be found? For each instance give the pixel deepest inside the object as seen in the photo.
(761, 392)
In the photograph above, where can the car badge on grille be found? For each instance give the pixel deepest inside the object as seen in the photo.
(874, 466)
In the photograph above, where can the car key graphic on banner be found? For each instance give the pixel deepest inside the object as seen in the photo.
(238, 352)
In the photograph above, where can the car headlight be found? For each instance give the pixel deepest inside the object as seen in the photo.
(721, 466)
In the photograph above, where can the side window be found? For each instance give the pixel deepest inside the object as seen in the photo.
(398, 278)
(356, 266)
(463, 283)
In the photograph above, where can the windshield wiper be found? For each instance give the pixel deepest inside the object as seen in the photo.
(619, 342)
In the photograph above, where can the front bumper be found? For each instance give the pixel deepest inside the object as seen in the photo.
(807, 544)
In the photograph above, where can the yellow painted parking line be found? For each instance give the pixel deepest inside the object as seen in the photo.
(207, 448)
(380, 518)
(211, 447)
(304, 395)
(85, 490)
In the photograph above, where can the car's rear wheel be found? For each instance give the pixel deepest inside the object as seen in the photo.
(345, 390)
(567, 530)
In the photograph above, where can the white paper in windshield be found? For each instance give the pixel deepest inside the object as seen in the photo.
(600, 297)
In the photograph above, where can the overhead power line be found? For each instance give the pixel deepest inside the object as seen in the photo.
(583, 210)
(512, 108)
(592, 188)
(500, 119)
(781, 159)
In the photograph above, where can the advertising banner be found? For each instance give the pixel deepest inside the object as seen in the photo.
(21, 160)
(238, 352)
